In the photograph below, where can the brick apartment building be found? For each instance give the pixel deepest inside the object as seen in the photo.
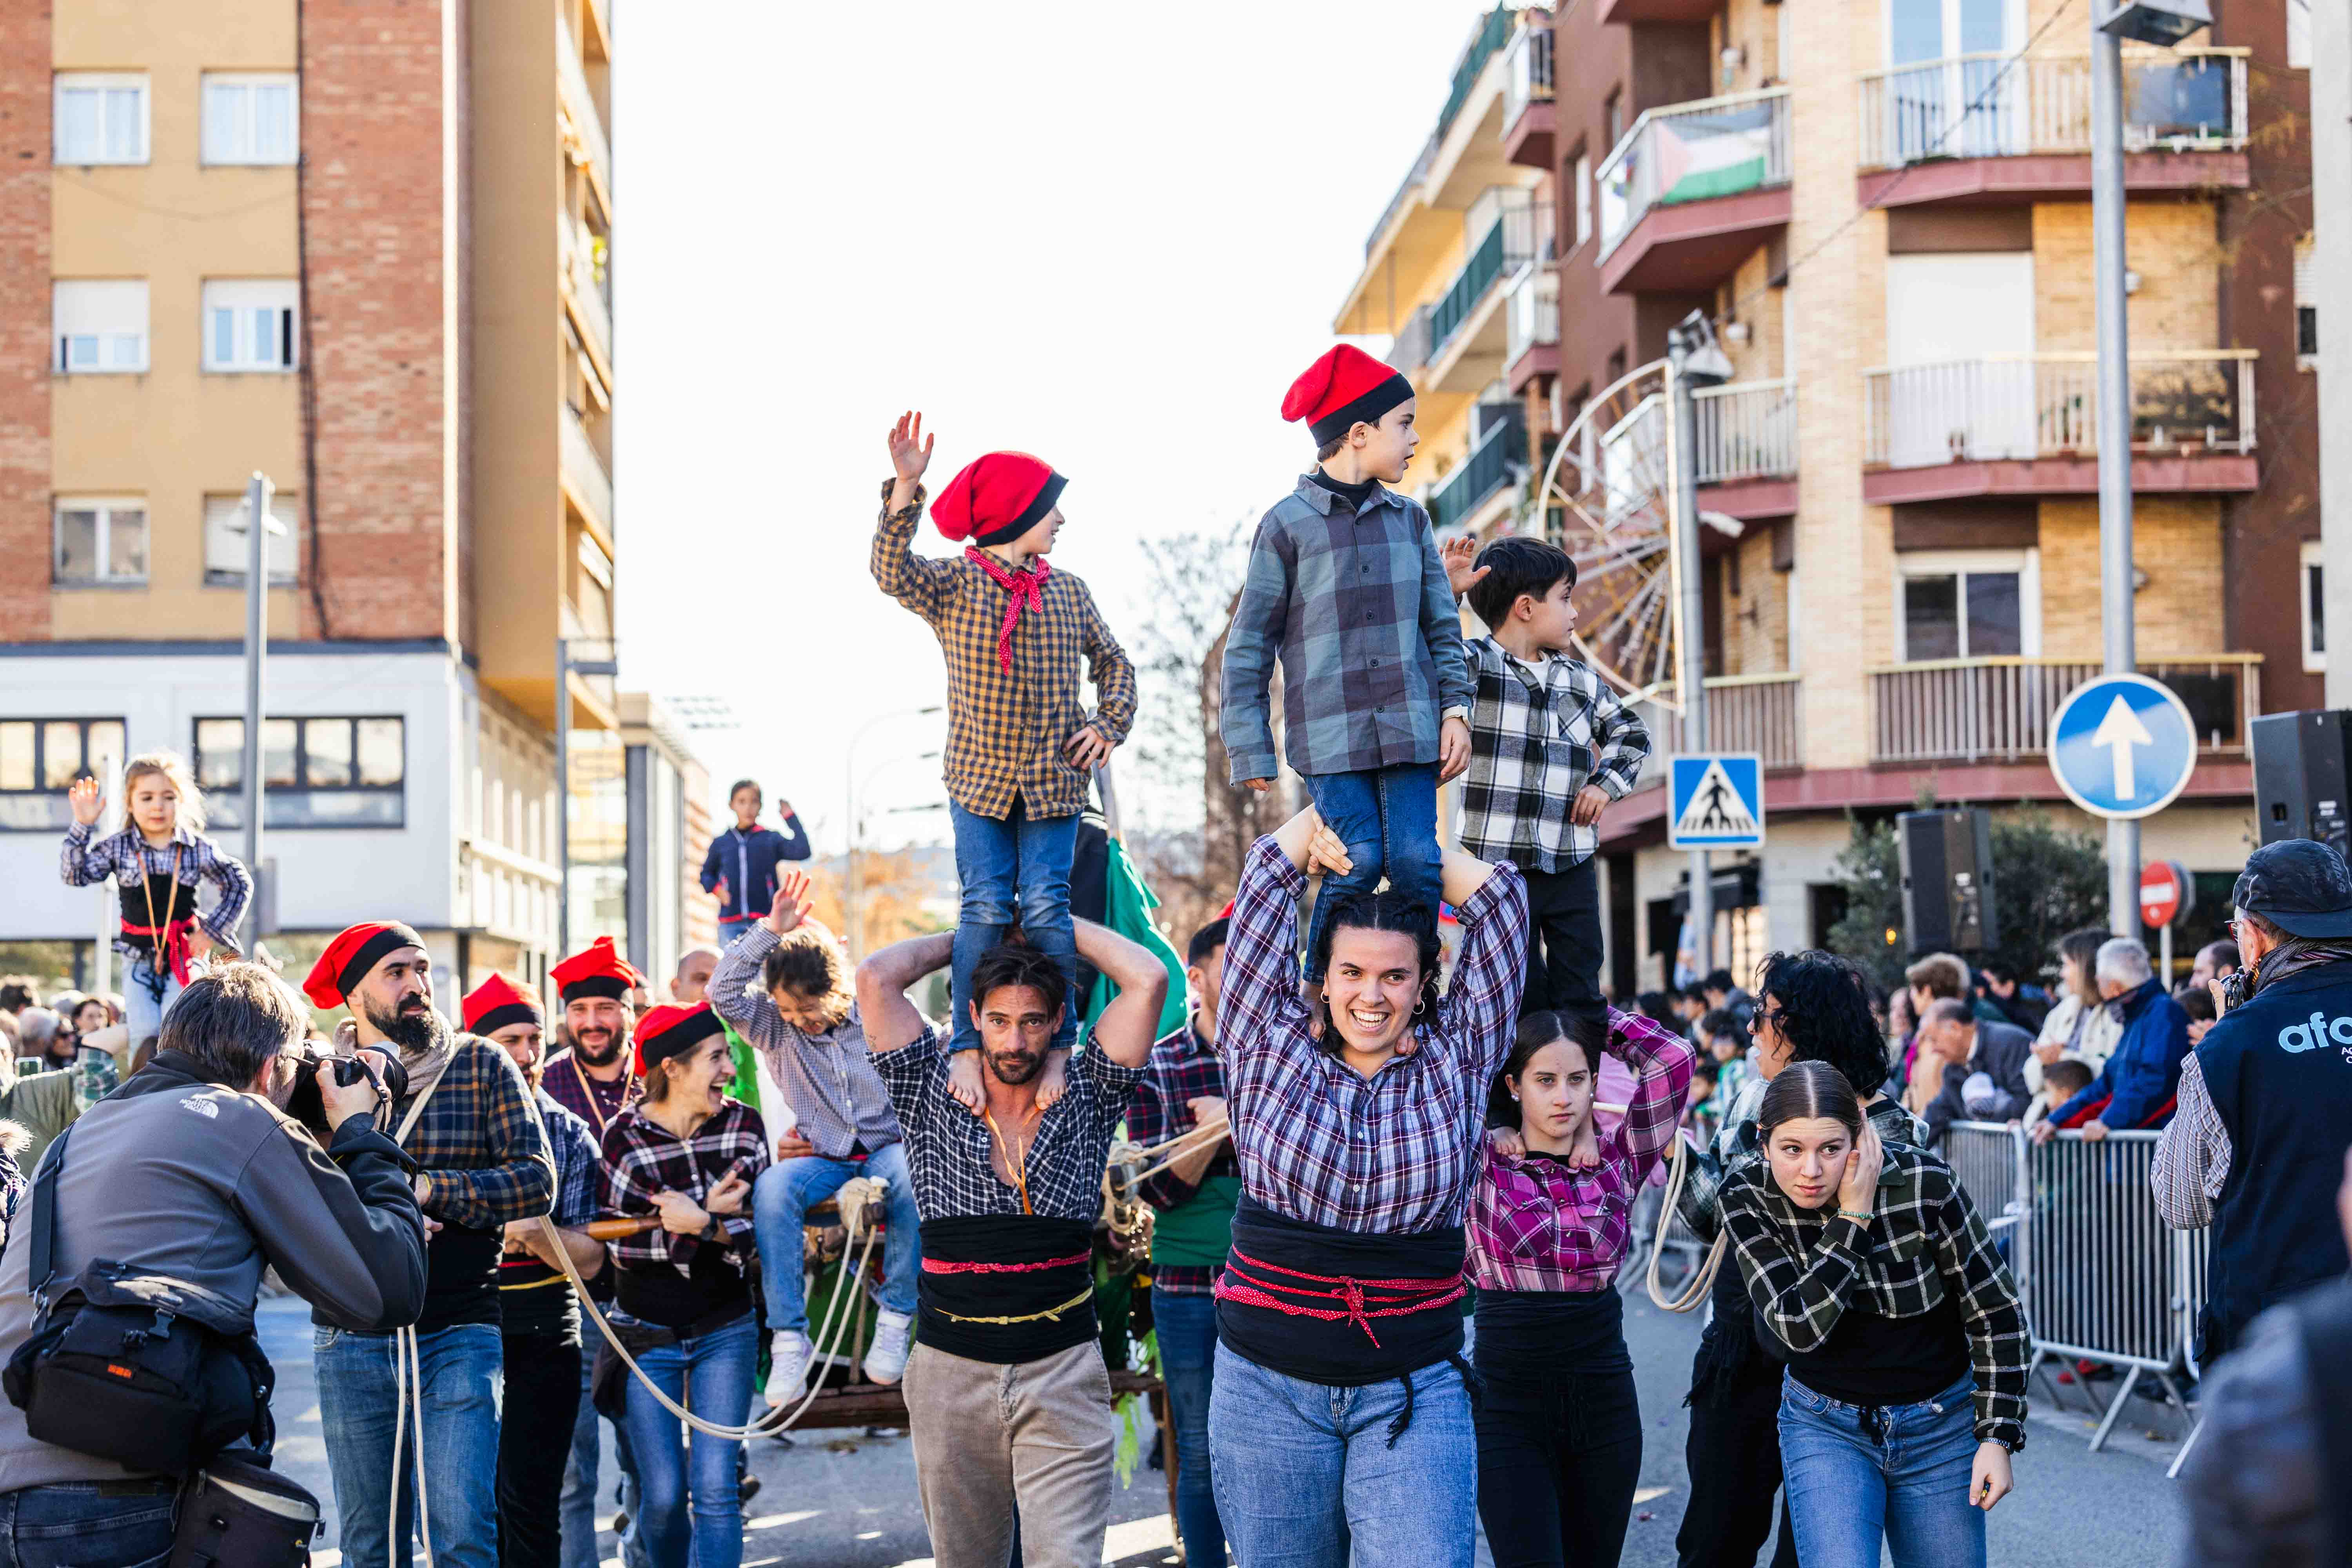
(365, 248)
(1883, 206)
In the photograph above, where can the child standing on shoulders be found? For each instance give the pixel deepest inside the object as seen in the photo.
(156, 861)
(1345, 587)
(1021, 749)
(1551, 746)
(741, 864)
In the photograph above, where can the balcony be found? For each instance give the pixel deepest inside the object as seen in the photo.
(1527, 96)
(1531, 326)
(1748, 449)
(1493, 31)
(1744, 713)
(1498, 461)
(1998, 710)
(1692, 190)
(1989, 129)
(2028, 424)
(582, 127)
(584, 478)
(1410, 352)
(583, 277)
(1677, 11)
(1466, 338)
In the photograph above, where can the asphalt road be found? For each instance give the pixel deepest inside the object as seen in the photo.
(840, 1499)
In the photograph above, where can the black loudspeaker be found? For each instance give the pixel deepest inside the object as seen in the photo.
(2302, 773)
(1948, 902)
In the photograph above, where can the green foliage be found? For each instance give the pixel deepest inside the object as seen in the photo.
(2046, 881)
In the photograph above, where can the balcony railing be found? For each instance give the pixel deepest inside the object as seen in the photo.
(1411, 350)
(1405, 187)
(1493, 32)
(2022, 406)
(585, 469)
(580, 105)
(1998, 710)
(1746, 430)
(577, 253)
(1526, 71)
(1534, 315)
(2009, 106)
(1744, 713)
(1500, 456)
(1690, 151)
(1510, 242)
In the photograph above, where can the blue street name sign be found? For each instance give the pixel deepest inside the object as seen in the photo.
(1715, 802)
(2123, 746)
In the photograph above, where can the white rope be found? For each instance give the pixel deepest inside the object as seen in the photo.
(407, 1387)
(1207, 1135)
(1702, 1280)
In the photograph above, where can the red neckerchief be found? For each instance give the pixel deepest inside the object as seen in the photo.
(1017, 586)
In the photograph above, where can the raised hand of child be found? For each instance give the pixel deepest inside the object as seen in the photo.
(963, 1080)
(793, 902)
(88, 800)
(910, 451)
(1086, 750)
(1457, 553)
(1453, 748)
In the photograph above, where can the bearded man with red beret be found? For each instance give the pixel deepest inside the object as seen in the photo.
(482, 1161)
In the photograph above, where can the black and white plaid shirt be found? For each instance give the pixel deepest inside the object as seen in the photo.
(643, 1159)
(129, 858)
(947, 1147)
(1924, 1242)
(1538, 734)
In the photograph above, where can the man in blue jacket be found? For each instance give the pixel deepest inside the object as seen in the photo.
(741, 867)
(2136, 1088)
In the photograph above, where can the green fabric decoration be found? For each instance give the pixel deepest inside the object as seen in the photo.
(1128, 905)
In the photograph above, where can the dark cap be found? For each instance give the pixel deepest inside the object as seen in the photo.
(2300, 886)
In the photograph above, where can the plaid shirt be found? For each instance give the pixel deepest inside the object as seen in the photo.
(948, 1148)
(129, 858)
(1319, 1141)
(1737, 1146)
(1538, 1225)
(1006, 728)
(1357, 606)
(1804, 1268)
(2193, 1155)
(479, 1143)
(1538, 734)
(574, 1148)
(1183, 1067)
(643, 1158)
(828, 1079)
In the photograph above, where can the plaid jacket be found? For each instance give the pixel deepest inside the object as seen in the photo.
(1538, 1225)
(1319, 1141)
(836, 1096)
(1181, 1070)
(574, 1148)
(643, 1158)
(1803, 1267)
(1357, 607)
(129, 858)
(1538, 734)
(479, 1143)
(1006, 729)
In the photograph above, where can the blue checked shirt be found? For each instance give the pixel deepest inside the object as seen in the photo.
(1538, 734)
(575, 1150)
(130, 860)
(1357, 607)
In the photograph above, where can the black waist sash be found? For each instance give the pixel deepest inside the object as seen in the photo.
(1340, 1308)
(1006, 1287)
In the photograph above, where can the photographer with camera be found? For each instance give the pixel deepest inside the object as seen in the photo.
(191, 1176)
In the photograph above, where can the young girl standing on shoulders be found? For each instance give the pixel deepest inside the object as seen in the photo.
(157, 860)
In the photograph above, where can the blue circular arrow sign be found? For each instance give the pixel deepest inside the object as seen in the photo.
(2123, 746)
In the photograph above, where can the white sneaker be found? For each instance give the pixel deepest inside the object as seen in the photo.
(788, 1365)
(885, 1358)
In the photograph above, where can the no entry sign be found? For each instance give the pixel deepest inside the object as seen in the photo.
(2165, 893)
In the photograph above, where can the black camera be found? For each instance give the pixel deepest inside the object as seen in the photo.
(307, 1106)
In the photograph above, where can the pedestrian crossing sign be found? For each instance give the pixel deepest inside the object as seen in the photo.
(1715, 802)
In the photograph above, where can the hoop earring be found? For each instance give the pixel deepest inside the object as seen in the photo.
(1421, 1006)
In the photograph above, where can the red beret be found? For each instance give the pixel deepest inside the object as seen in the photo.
(668, 1031)
(498, 1002)
(997, 499)
(1346, 386)
(350, 955)
(595, 971)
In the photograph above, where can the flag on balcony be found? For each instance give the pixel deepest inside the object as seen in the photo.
(1127, 911)
(1717, 154)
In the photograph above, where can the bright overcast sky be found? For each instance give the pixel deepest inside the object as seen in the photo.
(1107, 234)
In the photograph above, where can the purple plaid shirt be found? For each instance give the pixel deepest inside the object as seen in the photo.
(1183, 1069)
(1538, 1225)
(1394, 1153)
(643, 1158)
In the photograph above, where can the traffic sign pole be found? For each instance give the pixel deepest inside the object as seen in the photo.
(1690, 620)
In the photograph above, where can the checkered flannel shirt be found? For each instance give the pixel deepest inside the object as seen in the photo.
(2193, 1155)
(574, 1148)
(828, 1079)
(1006, 728)
(477, 1142)
(1182, 1069)
(1357, 607)
(1396, 1152)
(1538, 734)
(129, 858)
(1924, 1242)
(643, 1158)
(948, 1148)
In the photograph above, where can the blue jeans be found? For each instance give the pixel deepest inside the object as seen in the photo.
(576, 1507)
(1015, 868)
(781, 1200)
(1897, 1472)
(1388, 819)
(698, 1471)
(1187, 1329)
(460, 1371)
(73, 1522)
(142, 1011)
(1306, 1479)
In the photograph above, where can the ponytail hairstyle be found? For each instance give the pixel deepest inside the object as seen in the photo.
(172, 768)
(1807, 1090)
(1386, 910)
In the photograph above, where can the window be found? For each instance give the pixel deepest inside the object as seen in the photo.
(1613, 115)
(100, 324)
(40, 759)
(2298, 34)
(101, 542)
(2307, 306)
(226, 546)
(2315, 615)
(250, 118)
(100, 118)
(1582, 174)
(1967, 604)
(250, 325)
(315, 771)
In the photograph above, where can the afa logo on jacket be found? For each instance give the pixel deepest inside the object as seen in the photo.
(2297, 1039)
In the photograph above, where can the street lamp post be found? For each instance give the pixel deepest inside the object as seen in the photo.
(849, 791)
(258, 525)
(1693, 361)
